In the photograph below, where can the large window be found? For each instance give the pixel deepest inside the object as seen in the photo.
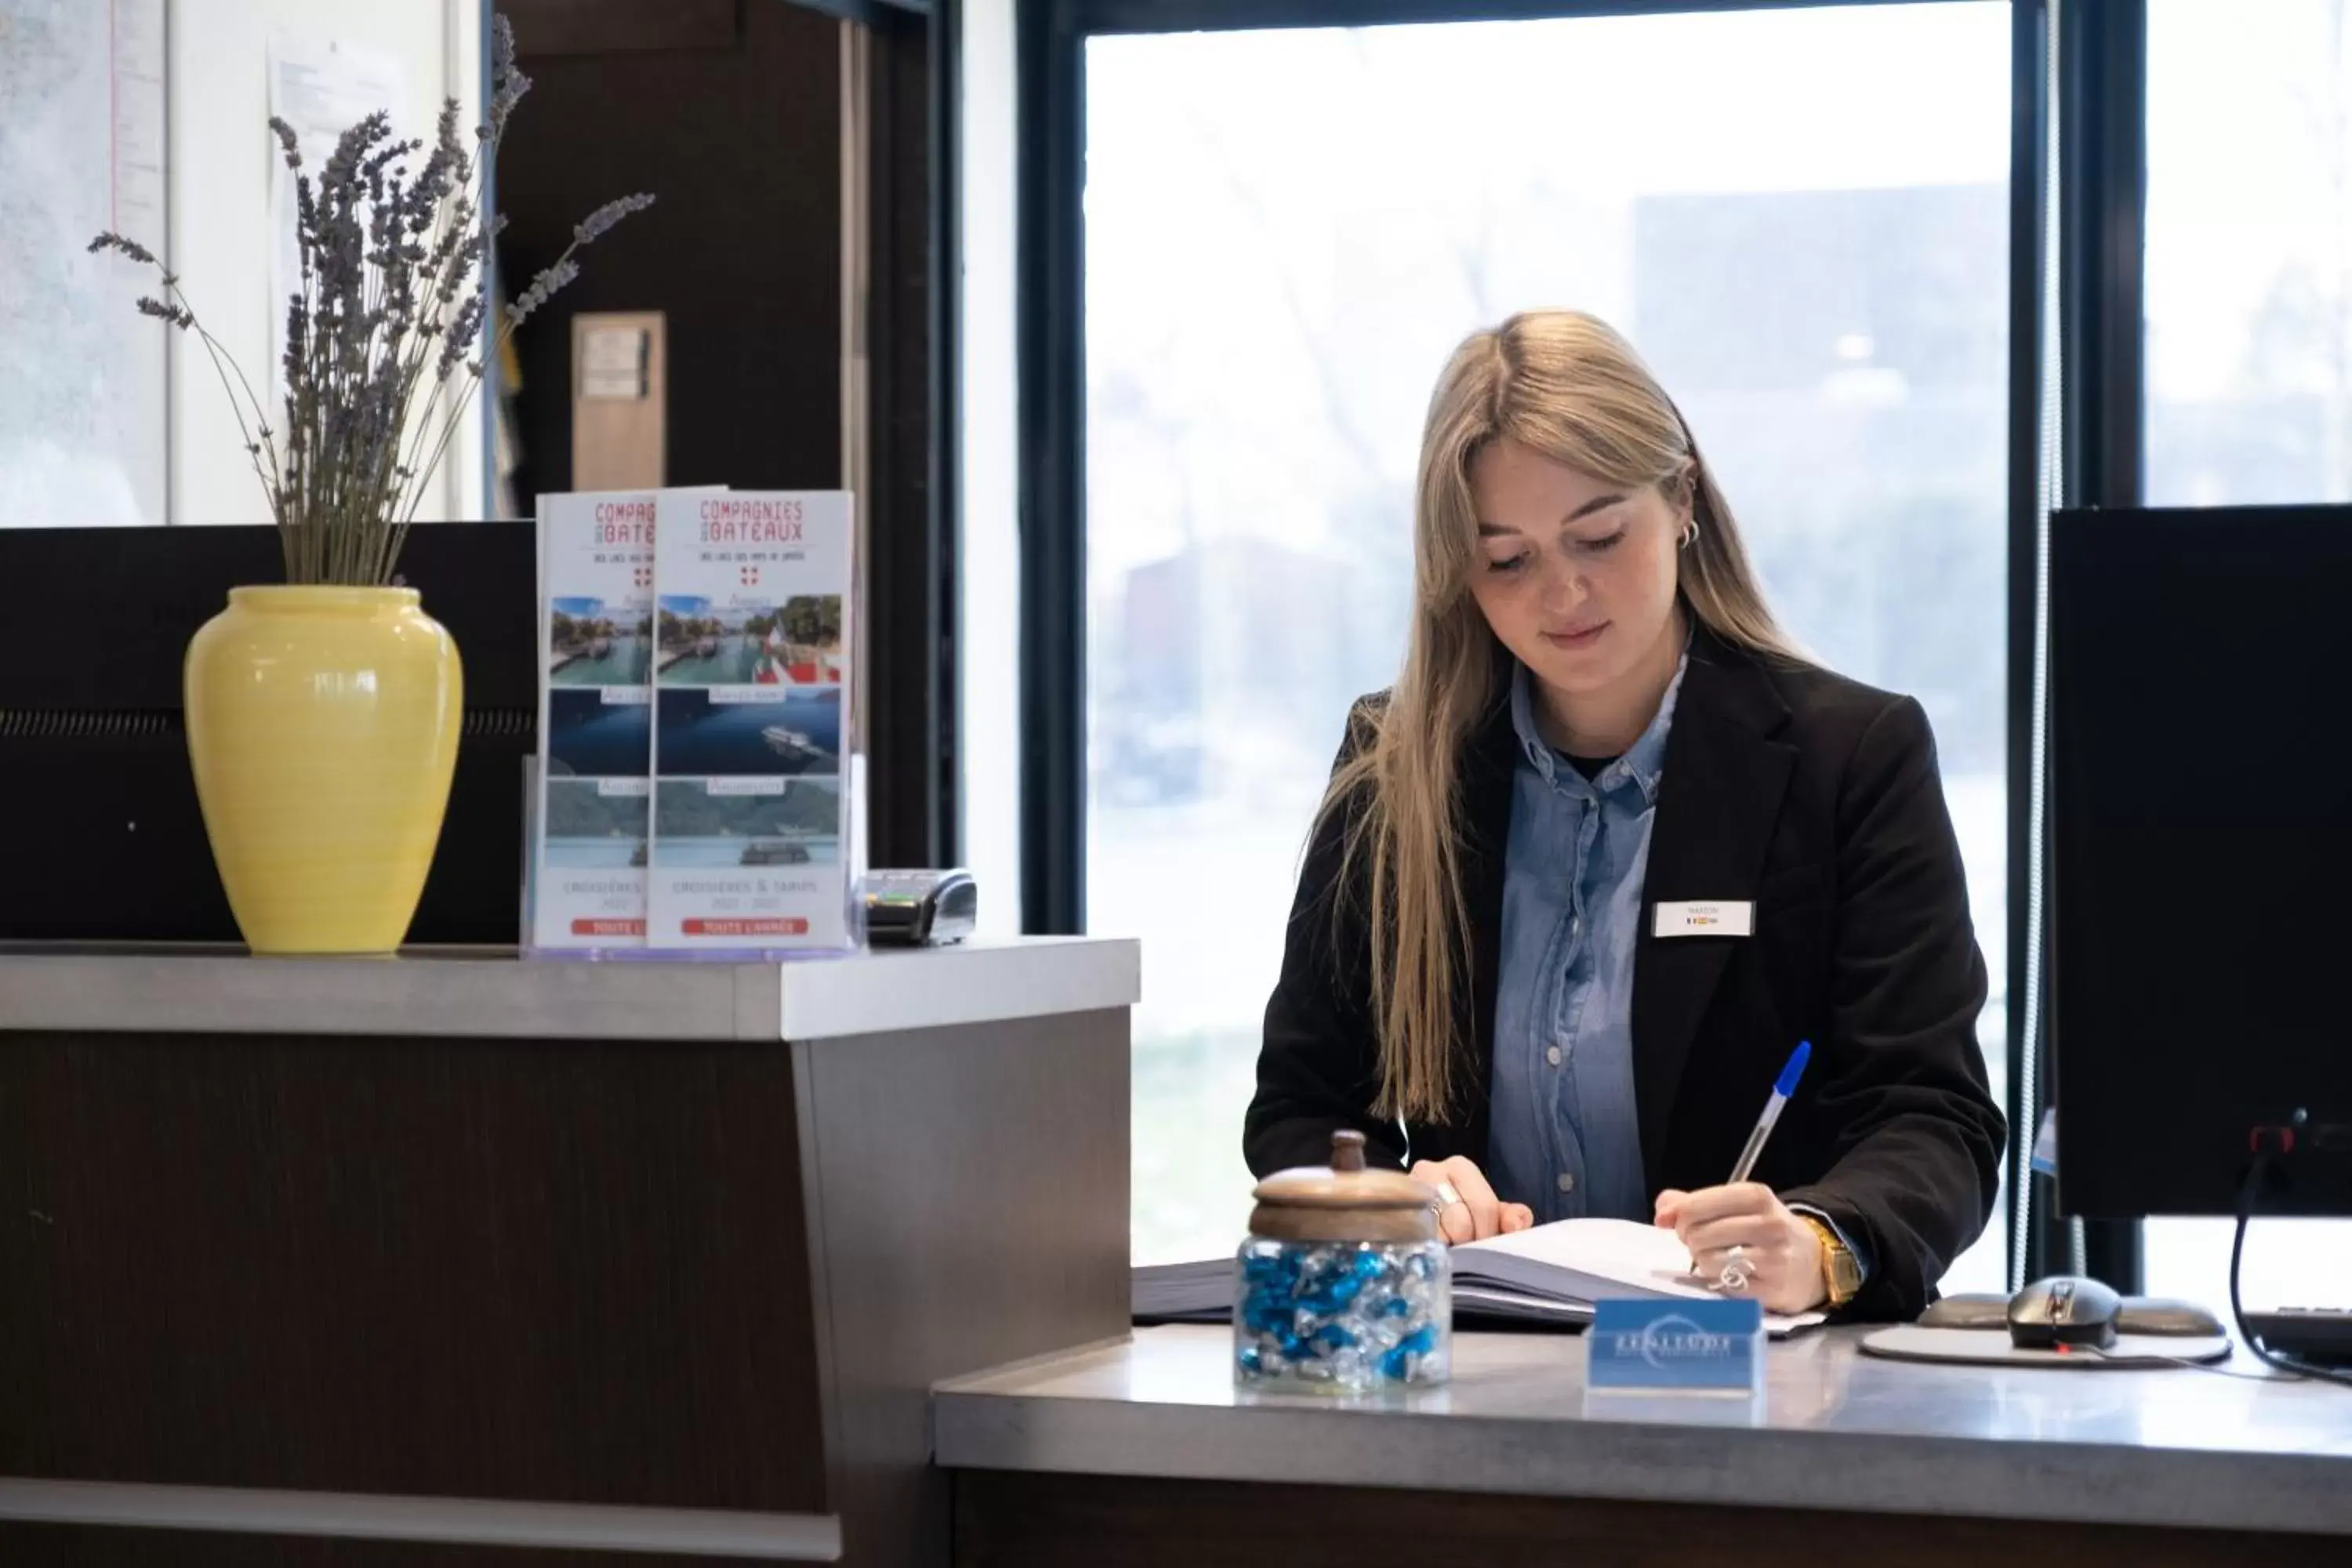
(2249, 275)
(1800, 217)
(2249, 299)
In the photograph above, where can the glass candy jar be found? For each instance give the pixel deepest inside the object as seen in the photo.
(1344, 1286)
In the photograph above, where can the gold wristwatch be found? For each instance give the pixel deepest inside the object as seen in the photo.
(1841, 1271)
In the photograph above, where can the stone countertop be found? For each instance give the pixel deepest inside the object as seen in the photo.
(1835, 1429)
(493, 994)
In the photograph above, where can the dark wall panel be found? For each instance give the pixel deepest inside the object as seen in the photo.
(910, 645)
(742, 145)
(553, 1271)
(73, 1546)
(1008, 1520)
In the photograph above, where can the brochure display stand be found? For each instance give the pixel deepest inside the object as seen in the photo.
(694, 791)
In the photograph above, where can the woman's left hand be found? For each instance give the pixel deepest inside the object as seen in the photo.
(1778, 1252)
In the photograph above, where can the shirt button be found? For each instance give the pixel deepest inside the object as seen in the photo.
(1552, 1056)
(1567, 1182)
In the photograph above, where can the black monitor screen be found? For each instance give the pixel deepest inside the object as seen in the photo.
(108, 844)
(2201, 858)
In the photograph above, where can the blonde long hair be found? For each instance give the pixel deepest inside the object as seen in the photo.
(1564, 384)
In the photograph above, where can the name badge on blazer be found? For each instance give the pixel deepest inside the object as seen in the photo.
(1706, 917)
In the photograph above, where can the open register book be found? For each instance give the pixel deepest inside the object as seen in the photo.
(1550, 1275)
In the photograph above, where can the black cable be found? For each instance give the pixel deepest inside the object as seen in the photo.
(2294, 1367)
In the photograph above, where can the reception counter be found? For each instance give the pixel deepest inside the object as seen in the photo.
(408, 1261)
(1145, 1454)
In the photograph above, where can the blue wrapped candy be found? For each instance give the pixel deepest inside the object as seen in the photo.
(1346, 1317)
(1343, 1285)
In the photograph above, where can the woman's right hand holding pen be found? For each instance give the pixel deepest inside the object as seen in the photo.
(1780, 1254)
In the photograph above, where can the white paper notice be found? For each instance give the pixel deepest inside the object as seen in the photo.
(138, 128)
(612, 363)
(751, 837)
(322, 89)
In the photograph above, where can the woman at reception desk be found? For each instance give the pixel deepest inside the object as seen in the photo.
(1610, 847)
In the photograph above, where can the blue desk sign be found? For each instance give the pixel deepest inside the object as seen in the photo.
(1668, 1345)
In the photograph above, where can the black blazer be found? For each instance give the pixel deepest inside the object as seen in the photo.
(1816, 798)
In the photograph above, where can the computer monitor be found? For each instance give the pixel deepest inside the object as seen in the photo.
(105, 841)
(2200, 887)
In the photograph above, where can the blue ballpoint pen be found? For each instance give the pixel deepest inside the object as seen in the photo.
(1782, 1087)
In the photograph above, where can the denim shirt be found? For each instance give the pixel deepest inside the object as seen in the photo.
(1564, 1137)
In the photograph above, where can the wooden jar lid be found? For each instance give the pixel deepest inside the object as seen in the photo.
(1344, 1200)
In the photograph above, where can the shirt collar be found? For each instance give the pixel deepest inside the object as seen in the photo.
(1644, 762)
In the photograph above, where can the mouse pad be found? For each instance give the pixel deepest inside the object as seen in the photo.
(1981, 1347)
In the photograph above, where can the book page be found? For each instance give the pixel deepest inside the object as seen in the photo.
(1583, 1260)
(1619, 1250)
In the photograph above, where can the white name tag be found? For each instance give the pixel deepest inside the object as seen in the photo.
(1710, 917)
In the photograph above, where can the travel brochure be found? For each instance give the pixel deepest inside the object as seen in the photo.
(595, 728)
(750, 812)
(693, 784)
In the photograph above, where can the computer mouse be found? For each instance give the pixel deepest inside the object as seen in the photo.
(2065, 1311)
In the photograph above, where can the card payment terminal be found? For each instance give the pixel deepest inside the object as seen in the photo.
(918, 909)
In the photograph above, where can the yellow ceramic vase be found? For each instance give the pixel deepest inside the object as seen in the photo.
(322, 726)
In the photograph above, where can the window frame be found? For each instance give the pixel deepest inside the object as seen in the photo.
(2094, 107)
(2101, 162)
